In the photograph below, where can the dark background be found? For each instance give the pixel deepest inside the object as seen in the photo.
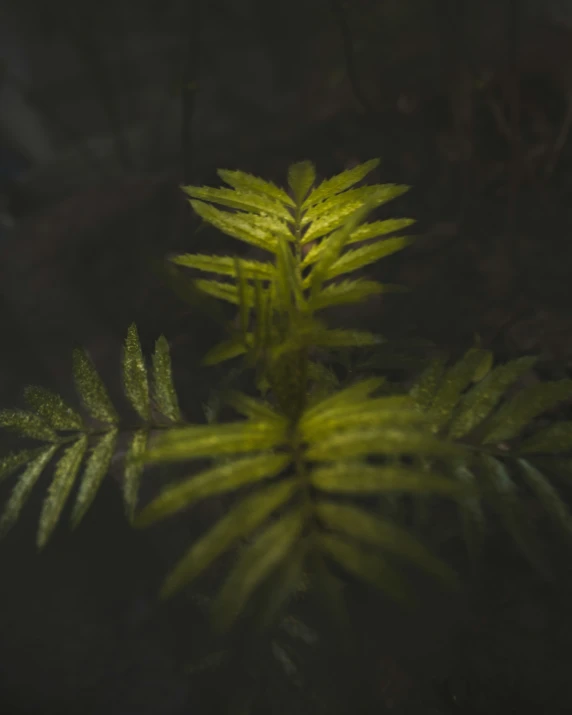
(105, 108)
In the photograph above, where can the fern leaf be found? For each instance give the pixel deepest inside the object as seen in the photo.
(92, 390)
(240, 522)
(133, 470)
(62, 483)
(52, 409)
(248, 183)
(548, 496)
(456, 380)
(11, 462)
(242, 200)
(527, 404)
(224, 291)
(23, 487)
(340, 182)
(301, 178)
(352, 395)
(424, 390)
(221, 479)
(135, 382)
(357, 478)
(252, 408)
(480, 401)
(225, 265)
(554, 439)
(471, 512)
(226, 350)
(255, 565)
(96, 468)
(28, 425)
(164, 392)
(284, 585)
(285, 264)
(387, 441)
(345, 338)
(358, 524)
(375, 229)
(217, 440)
(367, 566)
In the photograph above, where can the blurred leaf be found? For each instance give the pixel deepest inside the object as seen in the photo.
(27, 424)
(163, 387)
(554, 439)
(134, 466)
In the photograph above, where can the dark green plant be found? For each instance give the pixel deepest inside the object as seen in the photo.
(304, 466)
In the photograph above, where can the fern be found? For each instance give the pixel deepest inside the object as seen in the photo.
(83, 449)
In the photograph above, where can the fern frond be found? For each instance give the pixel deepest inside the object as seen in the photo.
(95, 471)
(241, 200)
(164, 392)
(225, 265)
(247, 182)
(340, 182)
(52, 409)
(91, 389)
(135, 382)
(28, 425)
(133, 470)
(301, 178)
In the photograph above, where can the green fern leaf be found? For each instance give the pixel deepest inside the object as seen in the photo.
(27, 424)
(236, 225)
(387, 441)
(11, 462)
(62, 483)
(133, 470)
(286, 267)
(480, 401)
(360, 257)
(375, 229)
(252, 408)
(357, 478)
(221, 479)
(255, 565)
(92, 390)
(225, 265)
(301, 178)
(248, 183)
(456, 380)
(424, 390)
(135, 382)
(23, 487)
(216, 440)
(352, 395)
(226, 350)
(95, 471)
(241, 200)
(244, 302)
(225, 291)
(284, 584)
(554, 439)
(548, 496)
(240, 522)
(350, 291)
(339, 338)
(358, 524)
(527, 404)
(471, 512)
(340, 182)
(367, 566)
(52, 409)
(164, 392)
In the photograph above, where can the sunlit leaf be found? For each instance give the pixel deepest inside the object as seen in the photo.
(10, 462)
(225, 265)
(163, 389)
(27, 424)
(63, 480)
(241, 521)
(249, 183)
(255, 564)
(252, 408)
(340, 182)
(134, 466)
(96, 468)
(91, 389)
(360, 525)
(221, 479)
(242, 200)
(301, 178)
(23, 487)
(52, 409)
(135, 380)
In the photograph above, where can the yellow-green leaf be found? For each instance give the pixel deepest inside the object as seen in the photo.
(340, 182)
(163, 389)
(23, 487)
(217, 440)
(134, 466)
(255, 564)
(375, 229)
(247, 201)
(91, 389)
(358, 478)
(301, 178)
(252, 408)
(360, 525)
(96, 468)
(52, 409)
(221, 479)
(64, 477)
(247, 182)
(135, 381)
(527, 404)
(351, 395)
(226, 350)
(225, 265)
(11, 462)
(369, 567)
(241, 521)
(27, 424)
(345, 338)
(554, 439)
(424, 390)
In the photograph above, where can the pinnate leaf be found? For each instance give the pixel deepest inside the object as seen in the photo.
(52, 409)
(135, 382)
(27, 424)
(91, 389)
(163, 388)
(96, 468)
